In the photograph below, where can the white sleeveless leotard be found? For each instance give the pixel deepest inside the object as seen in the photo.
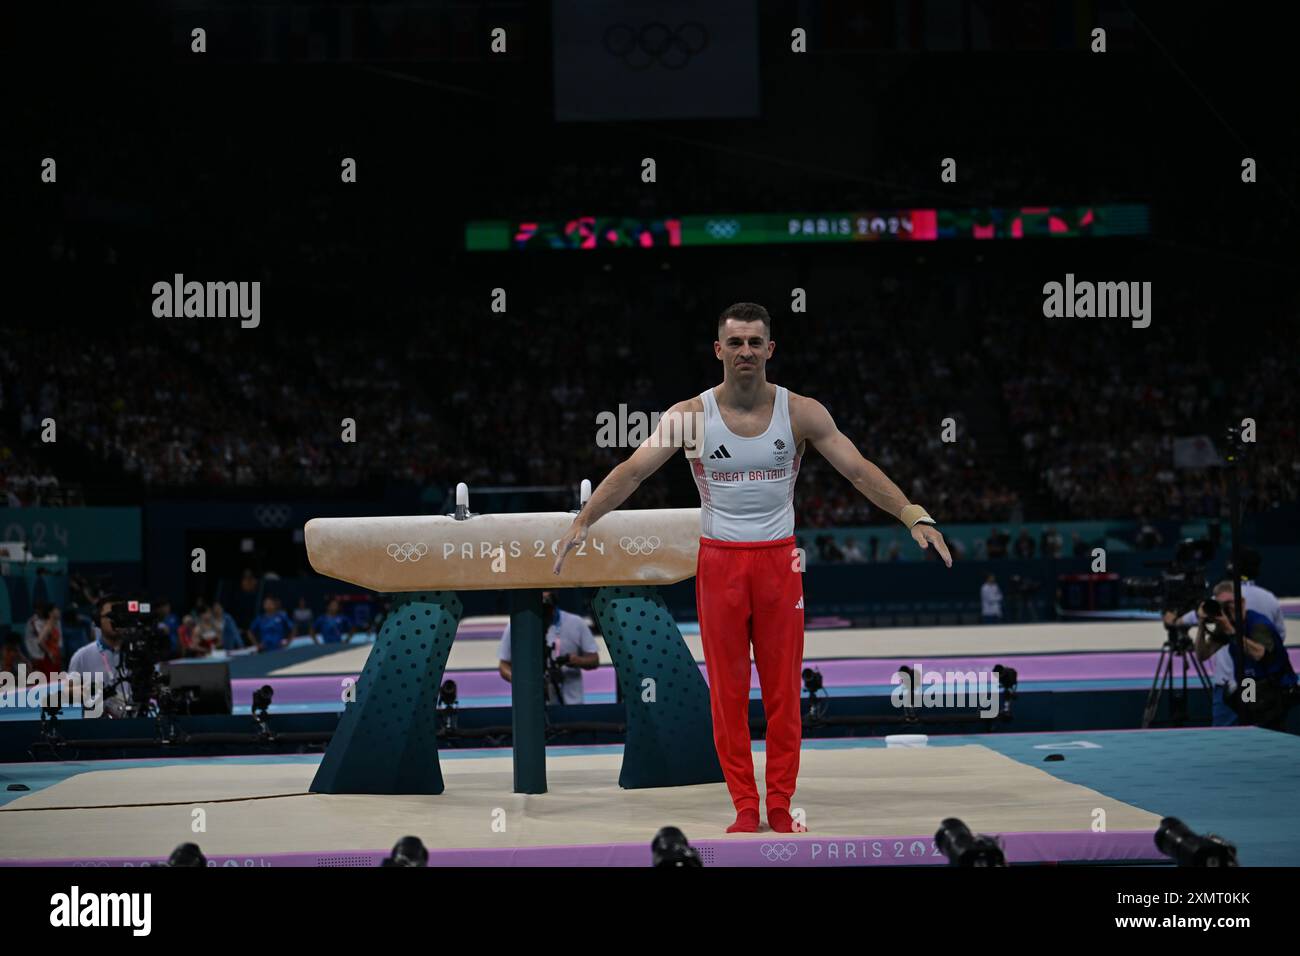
(746, 484)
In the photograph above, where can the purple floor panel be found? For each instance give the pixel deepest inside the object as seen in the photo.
(291, 690)
(1031, 667)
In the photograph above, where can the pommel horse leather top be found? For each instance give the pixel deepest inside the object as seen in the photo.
(499, 551)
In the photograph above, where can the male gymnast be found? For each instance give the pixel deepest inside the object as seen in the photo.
(748, 587)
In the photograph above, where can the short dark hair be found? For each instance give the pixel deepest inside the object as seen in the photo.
(104, 603)
(746, 312)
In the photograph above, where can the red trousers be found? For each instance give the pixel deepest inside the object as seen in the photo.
(752, 592)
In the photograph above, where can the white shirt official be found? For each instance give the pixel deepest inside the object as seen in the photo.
(98, 658)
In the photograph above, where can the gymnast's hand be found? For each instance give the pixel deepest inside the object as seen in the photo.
(576, 534)
(926, 535)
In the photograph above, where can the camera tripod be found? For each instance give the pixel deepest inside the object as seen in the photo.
(1177, 645)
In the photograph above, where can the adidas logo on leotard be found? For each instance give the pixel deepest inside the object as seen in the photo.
(721, 452)
(799, 606)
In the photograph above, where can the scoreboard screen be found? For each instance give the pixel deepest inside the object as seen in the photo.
(879, 225)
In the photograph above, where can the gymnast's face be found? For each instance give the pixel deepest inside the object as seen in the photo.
(743, 348)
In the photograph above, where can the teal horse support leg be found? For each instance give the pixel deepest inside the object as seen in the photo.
(669, 722)
(387, 739)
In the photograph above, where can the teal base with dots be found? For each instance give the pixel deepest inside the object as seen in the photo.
(387, 738)
(670, 738)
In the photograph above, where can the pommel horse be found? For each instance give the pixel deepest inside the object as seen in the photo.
(387, 738)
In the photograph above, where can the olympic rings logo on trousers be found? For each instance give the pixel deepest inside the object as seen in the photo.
(407, 551)
(641, 47)
(778, 852)
(640, 544)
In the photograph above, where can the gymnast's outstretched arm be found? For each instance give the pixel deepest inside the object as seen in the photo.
(813, 422)
(627, 476)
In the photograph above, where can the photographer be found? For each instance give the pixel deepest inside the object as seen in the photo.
(1256, 599)
(573, 645)
(1259, 655)
(103, 656)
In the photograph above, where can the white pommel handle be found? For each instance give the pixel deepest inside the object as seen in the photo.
(462, 501)
(584, 493)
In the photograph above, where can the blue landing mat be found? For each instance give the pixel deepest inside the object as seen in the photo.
(1239, 782)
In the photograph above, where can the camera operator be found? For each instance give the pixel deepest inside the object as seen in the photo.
(1259, 655)
(1256, 599)
(103, 656)
(573, 645)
